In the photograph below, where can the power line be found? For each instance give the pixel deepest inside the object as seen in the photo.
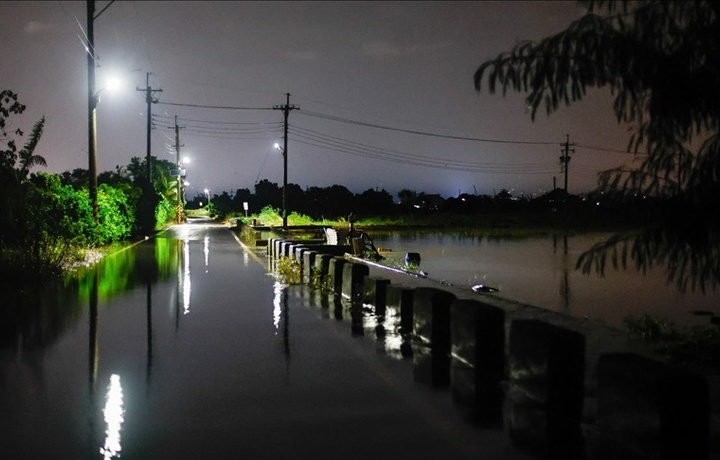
(423, 133)
(216, 122)
(221, 107)
(347, 147)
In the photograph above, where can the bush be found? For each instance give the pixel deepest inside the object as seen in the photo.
(288, 270)
(694, 346)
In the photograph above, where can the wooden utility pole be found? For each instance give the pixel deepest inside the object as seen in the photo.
(180, 174)
(149, 100)
(565, 158)
(286, 110)
(92, 106)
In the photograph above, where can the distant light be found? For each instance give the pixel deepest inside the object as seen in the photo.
(186, 160)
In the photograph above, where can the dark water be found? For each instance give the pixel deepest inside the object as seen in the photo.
(542, 271)
(184, 347)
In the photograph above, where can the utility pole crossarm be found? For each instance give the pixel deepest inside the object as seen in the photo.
(149, 100)
(286, 111)
(565, 158)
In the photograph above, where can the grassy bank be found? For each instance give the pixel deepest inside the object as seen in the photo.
(509, 223)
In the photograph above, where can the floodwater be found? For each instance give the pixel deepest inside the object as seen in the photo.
(542, 271)
(183, 346)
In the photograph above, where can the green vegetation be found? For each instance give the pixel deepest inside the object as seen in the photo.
(693, 346)
(288, 270)
(320, 281)
(46, 220)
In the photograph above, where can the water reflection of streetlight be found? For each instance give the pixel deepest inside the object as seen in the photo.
(114, 418)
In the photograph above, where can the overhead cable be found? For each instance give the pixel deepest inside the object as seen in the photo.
(423, 133)
(222, 107)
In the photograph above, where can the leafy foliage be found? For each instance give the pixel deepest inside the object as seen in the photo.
(694, 346)
(288, 270)
(661, 62)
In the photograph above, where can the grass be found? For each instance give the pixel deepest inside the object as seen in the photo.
(519, 224)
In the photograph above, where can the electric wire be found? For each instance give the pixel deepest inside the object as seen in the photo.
(331, 142)
(221, 107)
(536, 168)
(423, 133)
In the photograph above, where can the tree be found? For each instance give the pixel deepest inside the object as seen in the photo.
(27, 156)
(373, 202)
(661, 62)
(268, 194)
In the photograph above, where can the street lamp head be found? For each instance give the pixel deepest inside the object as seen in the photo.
(113, 83)
(277, 147)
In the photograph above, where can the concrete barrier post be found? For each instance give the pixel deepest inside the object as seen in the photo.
(335, 273)
(649, 409)
(308, 265)
(284, 249)
(478, 358)
(297, 255)
(431, 336)
(352, 280)
(402, 298)
(322, 270)
(546, 386)
(278, 249)
(270, 247)
(375, 293)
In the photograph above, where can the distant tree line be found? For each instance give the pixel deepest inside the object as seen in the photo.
(337, 202)
(316, 202)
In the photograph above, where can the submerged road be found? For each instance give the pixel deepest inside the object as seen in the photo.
(222, 361)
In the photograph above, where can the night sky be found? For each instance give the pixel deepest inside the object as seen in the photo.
(384, 91)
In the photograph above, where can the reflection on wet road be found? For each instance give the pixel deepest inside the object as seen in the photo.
(184, 346)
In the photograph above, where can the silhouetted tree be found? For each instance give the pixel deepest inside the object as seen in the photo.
(660, 60)
(295, 198)
(406, 195)
(243, 195)
(372, 203)
(77, 178)
(268, 194)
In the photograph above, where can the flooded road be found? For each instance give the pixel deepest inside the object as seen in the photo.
(184, 346)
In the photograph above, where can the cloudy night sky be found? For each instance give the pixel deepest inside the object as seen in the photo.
(384, 91)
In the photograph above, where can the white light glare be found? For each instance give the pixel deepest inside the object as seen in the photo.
(113, 413)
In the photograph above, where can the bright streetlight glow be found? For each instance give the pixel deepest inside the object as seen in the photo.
(113, 83)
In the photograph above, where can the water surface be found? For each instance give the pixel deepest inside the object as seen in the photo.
(542, 271)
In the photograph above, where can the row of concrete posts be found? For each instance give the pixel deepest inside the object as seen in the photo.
(527, 372)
